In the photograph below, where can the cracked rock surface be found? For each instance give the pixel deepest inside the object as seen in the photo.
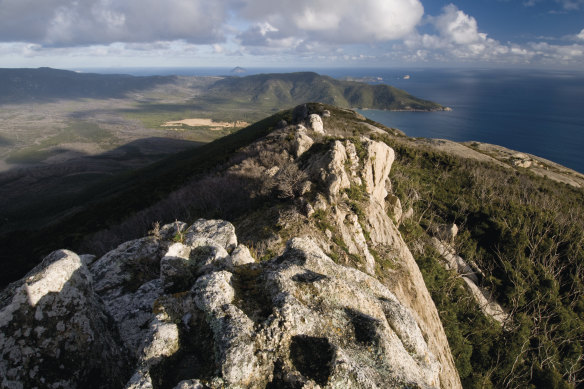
(203, 313)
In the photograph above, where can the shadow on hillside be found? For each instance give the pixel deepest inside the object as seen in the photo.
(5, 141)
(36, 198)
(46, 85)
(30, 196)
(113, 199)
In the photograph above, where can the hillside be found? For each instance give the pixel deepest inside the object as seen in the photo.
(265, 90)
(45, 84)
(496, 246)
(68, 138)
(202, 306)
(290, 89)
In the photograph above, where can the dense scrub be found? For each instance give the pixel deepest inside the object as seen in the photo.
(526, 234)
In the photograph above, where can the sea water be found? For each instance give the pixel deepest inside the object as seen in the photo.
(539, 112)
(533, 111)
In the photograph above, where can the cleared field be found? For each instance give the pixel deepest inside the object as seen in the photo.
(199, 122)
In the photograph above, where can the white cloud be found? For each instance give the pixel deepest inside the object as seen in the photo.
(531, 3)
(567, 5)
(458, 27)
(337, 21)
(82, 22)
(327, 30)
(268, 36)
(457, 36)
(547, 53)
(70, 23)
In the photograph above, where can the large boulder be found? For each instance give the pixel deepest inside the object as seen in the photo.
(220, 231)
(315, 123)
(329, 169)
(55, 332)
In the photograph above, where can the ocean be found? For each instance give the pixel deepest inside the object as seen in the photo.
(540, 113)
(533, 111)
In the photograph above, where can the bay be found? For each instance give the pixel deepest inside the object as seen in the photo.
(540, 113)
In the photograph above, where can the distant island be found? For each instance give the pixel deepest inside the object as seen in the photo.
(238, 70)
(367, 79)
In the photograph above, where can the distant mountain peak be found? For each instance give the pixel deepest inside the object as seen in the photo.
(238, 70)
(289, 89)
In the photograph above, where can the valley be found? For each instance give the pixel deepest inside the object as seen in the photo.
(64, 133)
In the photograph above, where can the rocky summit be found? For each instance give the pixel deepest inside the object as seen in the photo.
(204, 313)
(189, 306)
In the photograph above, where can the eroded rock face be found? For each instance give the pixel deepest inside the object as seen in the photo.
(315, 123)
(297, 320)
(55, 332)
(377, 168)
(344, 168)
(329, 169)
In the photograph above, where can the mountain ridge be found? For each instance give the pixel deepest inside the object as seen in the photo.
(300, 87)
(283, 89)
(25, 84)
(264, 320)
(435, 225)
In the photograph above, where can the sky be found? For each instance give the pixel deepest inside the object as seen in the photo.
(292, 33)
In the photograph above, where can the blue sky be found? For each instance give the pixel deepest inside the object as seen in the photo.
(292, 33)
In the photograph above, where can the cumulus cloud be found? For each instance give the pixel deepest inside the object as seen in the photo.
(326, 30)
(343, 21)
(73, 22)
(457, 36)
(458, 27)
(545, 52)
(81, 22)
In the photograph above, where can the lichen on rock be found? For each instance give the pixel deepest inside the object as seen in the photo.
(297, 319)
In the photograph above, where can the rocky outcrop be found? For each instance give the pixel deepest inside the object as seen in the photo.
(338, 169)
(315, 123)
(342, 304)
(329, 169)
(55, 331)
(377, 168)
(208, 319)
(302, 141)
(488, 305)
(521, 160)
